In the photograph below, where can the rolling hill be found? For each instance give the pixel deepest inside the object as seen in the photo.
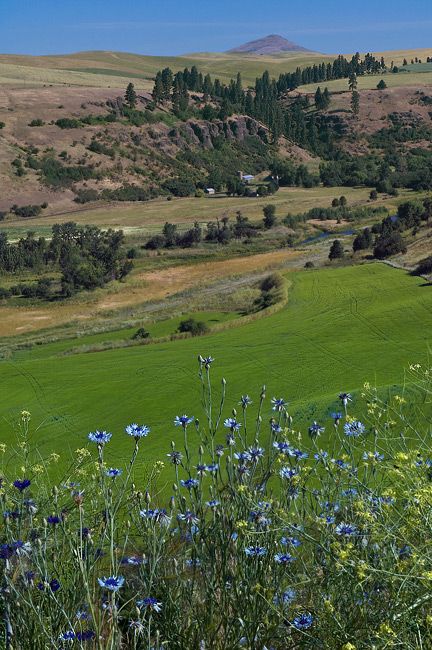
(272, 44)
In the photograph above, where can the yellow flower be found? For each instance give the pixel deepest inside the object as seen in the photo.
(54, 458)
(242, 524)
(386, 630)
(328, 606)
(82, 453)
(158, 466)
(361, 569)
(348, 646)
(25, 416)
(2, 448)
(242, 488)
(38, 469)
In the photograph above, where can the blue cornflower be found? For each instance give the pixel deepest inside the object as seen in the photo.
(375, 455)
(193, 563)
(321, 455)
(354, 429)
(183, 421)
(298, 453)
(340, 463)
(275, 427)
(212, 468)
(232, 424)
(214, 503)
(329, 519)
(201, 469)
(188, 517)
(113, 583)
(137, 431)
(349, 492)
(6, 551)
(67, 636)
(219, 450)
(282, 447)
(113, 472)
(345, 398)
(255, 453)
(85, 635)
(315, 429)
(284, 558)
(285, 598)
(245, 400)
(405, 552)
(100, 437)
(82, 614)
(132, 560)
(291, 541)
(205, 361)
(337, 416)
(242, 456)
(255, 551)
(22, 485)
(150, 603)
(279, 404)
(287, 472)
(158, 514)
(346, 530)
(53, 584)
(176, 457)
(53, 520)
(303, 621)
(190, 483)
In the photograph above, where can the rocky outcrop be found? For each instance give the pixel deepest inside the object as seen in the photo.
(201, 133)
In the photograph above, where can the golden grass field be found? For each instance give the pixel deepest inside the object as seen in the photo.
(399, 80)
(148, 218)
(104, 68)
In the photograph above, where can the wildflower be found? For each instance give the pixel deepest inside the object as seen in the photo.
(346, 530)
(53, 520)
(255, 551)
(193, 563)
(285, 598)
(67, 636)
(336, 416)
(85, 635)
(288, 472)
(373, 456)
(100, 437)
(279, 404)
(255, 453)
(245, 400)
(315, 430)
(232, 424)
(2, 448)
(137, 627)
(349, 492)
(321, 455)
(113, 472)
(188, 517)
(275, 427)
(176, 457)
(303, 621)
(405, 552)
(205, 361)
(22, 485)
(113, 583)
(290, 541)
(354, 429)
(132, 560)
(220, 450)
(190, 483)
(11, 514)
(183, 421)
(54, 458)
(213, 503)
(212, 468)
(345, 398)
(158, 515)
(53, 585)
(82, 615)
(137, 431)
(284, 558)
(150, 603)
(298, 453)
(340, 463)
(242, 456)
(282, 447)
(201, 469)
(230, 440)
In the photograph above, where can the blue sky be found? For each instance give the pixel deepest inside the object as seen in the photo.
(180, 26)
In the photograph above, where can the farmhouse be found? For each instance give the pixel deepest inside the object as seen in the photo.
(210, 190)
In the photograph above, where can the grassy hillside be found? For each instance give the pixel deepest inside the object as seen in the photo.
(414, 78)
(340, 328)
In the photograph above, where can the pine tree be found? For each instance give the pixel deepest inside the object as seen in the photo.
(167, 81)
(207, 87)
(131, 96)
(326, 98)
(355, 102)
(336, 250)
(269, 216)
(318, 99)
(158, 89)
(352, 82)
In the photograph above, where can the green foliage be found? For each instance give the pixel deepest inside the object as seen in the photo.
(389, 244)
(141, 334)
(336, 250)
(269, 216)
(193, 327)
(381, 85)
(37, 122)
(68, 123)
(131, 96)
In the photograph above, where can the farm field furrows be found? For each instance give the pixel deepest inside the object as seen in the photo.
(341, 327)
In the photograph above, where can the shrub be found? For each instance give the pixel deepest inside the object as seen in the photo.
(141, 333)
(424, 267)
(2, 125)
(389, 244)
(68, 123)
(336, 250)
(194, 327)
(86, 196)
(37, 122)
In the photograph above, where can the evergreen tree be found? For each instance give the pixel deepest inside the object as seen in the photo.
(352, 82)
(158, 89)
(167, 82)
(355, 102)
(336, 250)
(381, 85)
(131, 96)
(269, 216)
(318, 99)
